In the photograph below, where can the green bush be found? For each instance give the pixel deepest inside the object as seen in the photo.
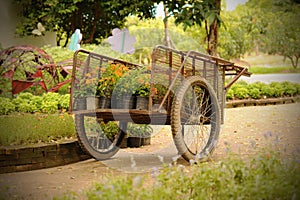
(230, 94)
(277, 89)
(50, 102)
(64, 102)
(255, 93)
(6, 106)
(241, 92)
(24, 102)
(289, 89)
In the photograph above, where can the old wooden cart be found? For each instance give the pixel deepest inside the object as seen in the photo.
(192, 103)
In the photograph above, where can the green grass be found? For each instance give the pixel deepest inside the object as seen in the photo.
(16, 129)
(264, 176)
(269, 64)
(273, 70)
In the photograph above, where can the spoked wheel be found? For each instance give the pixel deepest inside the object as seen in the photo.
(99, 138)
(195, 119)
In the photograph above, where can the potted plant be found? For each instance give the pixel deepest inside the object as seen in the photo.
(138, 134)
(107, 83)
(134, 86)
(85, 90)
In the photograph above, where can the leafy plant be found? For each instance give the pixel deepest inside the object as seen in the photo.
(6, 106)
(109, 78)
(110, 129)
(230, 94)
(139, 130)
(241, 92)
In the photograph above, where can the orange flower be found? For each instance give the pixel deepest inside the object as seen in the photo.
(141, 80)
(88, 81)
(102, 70)
(88, 75)
(118, 72)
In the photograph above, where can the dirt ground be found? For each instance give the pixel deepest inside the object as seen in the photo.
(246, 131)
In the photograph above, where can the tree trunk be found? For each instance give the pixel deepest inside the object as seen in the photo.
(212, 37)
(167, 38)
(96, 18)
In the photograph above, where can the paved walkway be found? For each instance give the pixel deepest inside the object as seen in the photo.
(246, 130)
(267, 78)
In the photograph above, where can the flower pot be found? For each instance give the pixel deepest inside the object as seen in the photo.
(142, 103)
(92, 102)
(138, 141)
(146, 141)
(126, 102)
(123, 143)
(104, 102)
(134, 141)
(80, 104)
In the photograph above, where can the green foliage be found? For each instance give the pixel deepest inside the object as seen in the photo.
(110, 129)
(6, 106)
(264, 176)
(64, 102)
(277, 89)
(16, 129)
(290, 89)
(139, 130)
(258, 90)
(50, 102)
(241, 92)
(96, 18)
(28, 103)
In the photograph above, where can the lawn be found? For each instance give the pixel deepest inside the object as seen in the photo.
(269, 64)
(16, 129)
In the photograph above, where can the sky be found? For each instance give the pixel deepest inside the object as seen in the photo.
(230, 5)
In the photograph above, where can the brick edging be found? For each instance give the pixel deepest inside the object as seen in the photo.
(262, 102)
(38, 156)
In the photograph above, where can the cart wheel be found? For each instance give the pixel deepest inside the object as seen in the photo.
(94, 140)
(195, 119)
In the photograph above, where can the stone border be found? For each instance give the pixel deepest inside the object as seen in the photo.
(39, 156)
(23, 158)
(262, 102)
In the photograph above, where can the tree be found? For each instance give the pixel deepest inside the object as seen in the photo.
(283, 34)
(202, 13)
(95, 18)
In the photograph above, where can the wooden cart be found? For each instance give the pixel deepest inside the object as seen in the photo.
(193, 101)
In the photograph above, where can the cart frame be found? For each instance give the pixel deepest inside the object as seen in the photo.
(180, 72)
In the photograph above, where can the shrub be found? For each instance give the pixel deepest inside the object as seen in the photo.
(254, 93)
(6, 106)
(267, 91)
(230, 94)
(64, 101)
(50, 102)
(241, 92)
(277, 89)
(289, 89)
(24, 103)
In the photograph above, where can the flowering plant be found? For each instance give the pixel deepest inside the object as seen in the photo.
(136, 82)
(86, 86)
(110, 76)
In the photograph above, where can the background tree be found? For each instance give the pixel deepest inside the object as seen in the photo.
(202, 13)
(95, 18)
(283, 34)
